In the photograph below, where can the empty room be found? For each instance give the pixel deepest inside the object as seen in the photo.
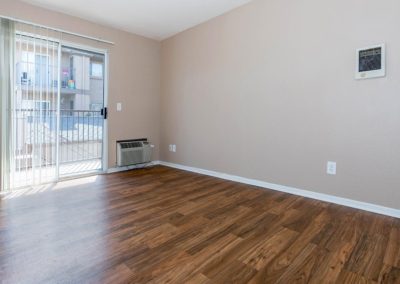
(200, 141)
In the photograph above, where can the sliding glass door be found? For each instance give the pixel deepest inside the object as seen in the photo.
(57, 111)
(81, 111)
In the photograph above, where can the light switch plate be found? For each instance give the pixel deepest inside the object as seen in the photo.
(119, 107)
(331, 168)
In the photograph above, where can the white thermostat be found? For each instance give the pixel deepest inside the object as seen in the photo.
(371, 62)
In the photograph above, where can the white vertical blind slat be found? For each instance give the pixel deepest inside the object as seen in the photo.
(35, 107)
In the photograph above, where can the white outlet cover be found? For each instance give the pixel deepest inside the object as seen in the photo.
(119, 107)
(174, 148)
(170, 147)
(331, 168)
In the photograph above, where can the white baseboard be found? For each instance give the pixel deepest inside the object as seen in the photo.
(128, 168)
(305, 193)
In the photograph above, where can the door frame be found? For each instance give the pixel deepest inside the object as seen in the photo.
(104, 52)
(63, 43)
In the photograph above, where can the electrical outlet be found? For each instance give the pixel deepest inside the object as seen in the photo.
(331, 168)
(170, 148)
(174, 148)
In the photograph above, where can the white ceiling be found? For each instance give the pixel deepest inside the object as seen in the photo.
(158, 19)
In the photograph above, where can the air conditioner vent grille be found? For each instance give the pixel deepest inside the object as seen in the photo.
(133, 152)
(127, 145)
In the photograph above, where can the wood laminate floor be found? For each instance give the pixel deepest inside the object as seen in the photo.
(162, 225)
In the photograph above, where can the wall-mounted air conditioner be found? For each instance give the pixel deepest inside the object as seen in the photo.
(133, 152)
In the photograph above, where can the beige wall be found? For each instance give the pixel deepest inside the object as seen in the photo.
(267, 91)
(134, 72)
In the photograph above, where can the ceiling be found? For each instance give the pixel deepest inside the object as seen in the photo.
(157, 19)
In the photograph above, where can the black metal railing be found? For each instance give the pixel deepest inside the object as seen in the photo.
(80, 136)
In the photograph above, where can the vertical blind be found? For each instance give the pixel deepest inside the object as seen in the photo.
(6, 88)
(34, 106)
(29, 104)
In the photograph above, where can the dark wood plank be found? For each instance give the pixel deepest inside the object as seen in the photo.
(163, 225)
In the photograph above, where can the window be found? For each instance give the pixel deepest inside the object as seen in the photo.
(42, 70)
(96, 70)
(35, 69)
(42, 105)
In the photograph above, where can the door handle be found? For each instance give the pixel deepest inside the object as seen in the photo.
(104, 113)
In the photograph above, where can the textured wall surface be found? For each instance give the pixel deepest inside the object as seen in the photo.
(267, 92)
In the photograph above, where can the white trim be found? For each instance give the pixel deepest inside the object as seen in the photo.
(79, 175)
(305, 193)
(128, 168)
(57, 30)
(58, 114)
(105, 105)
(83, 47)
(105, 53)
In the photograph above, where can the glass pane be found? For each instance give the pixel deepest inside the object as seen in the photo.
(81, 123)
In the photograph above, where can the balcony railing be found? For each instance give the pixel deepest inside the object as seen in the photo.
(80, 136)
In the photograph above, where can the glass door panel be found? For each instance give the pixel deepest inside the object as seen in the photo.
(56, 112)
(81, 104)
